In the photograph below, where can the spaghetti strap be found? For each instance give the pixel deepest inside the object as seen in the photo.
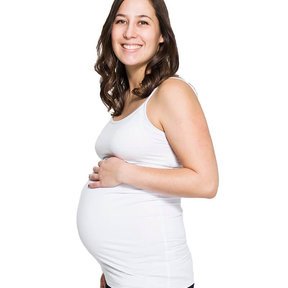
(182, 79)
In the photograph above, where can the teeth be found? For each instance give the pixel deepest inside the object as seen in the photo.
(131, 46)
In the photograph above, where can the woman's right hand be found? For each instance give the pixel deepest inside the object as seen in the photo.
(102, 281)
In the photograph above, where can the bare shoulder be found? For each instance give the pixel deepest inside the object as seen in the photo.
(173, 102)
(172, 85)
(174, 97)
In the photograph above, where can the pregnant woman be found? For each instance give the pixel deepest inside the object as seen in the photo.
(155, 149)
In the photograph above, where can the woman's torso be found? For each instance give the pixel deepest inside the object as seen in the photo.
(137, 236)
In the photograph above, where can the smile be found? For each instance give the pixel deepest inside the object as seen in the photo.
(131, 47)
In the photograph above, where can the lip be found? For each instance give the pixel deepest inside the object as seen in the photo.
(131, 47)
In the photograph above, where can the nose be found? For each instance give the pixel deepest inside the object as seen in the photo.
(130, 31)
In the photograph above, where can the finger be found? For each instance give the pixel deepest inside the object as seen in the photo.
(96, 169)
(101, 162)
(95, 184)
(94, 177)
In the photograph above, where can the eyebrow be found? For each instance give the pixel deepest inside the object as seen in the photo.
(138, 16)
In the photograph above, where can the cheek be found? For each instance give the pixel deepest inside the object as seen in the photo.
(115, 33)
(154, 43)
(113, 39)
(153, 40)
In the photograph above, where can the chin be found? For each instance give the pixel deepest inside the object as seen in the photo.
(134, 64)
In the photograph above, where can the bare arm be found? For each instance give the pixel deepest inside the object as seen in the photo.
(181, 182)
(186, 130)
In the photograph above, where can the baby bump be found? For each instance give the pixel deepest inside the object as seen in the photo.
(124, 216)
(92, 215)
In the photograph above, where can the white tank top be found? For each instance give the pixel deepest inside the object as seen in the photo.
(137, 236)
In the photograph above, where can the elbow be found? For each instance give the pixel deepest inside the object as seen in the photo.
(211, 188)
(206, 186)
(211, 184)
(211, 194)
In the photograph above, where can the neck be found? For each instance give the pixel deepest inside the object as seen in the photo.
(135, 76)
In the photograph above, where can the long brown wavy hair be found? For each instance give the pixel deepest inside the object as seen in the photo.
(114, 82)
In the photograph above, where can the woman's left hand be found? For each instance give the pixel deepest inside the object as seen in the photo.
(108, 173)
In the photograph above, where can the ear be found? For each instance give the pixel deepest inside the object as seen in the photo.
(161, 39)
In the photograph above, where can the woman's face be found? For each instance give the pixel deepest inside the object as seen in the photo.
(136, 33)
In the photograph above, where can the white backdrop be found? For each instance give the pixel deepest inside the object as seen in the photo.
(233, 52)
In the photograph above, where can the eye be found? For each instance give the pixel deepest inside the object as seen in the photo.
(120, 21)
(143, 22)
